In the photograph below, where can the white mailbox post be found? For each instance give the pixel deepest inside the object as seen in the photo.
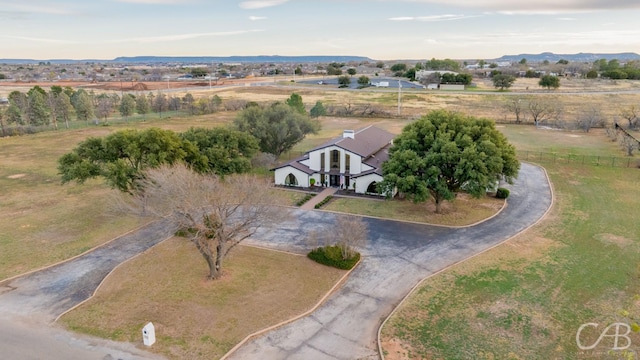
(148, 334)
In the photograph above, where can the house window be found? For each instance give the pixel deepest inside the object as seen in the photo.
(321, 161)
(373, 188)
(291, 180)
(335, 160)
(347, 162)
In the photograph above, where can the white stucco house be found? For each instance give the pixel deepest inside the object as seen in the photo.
(351, 161)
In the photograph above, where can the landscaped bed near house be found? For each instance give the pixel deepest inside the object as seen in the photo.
(196, 318)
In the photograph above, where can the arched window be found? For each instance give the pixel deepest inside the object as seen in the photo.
(373, 187)
(291, 180)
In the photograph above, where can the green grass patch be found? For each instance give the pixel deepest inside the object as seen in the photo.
(527, 298)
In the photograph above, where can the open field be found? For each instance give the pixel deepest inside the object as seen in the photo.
(539, 276)
(527, 298)
(195, 318)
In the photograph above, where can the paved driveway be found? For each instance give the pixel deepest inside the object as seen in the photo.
(28, 304)
(398, 256)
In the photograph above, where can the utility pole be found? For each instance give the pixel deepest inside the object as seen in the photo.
(399, 97)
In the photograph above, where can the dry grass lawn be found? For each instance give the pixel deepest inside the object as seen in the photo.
(462, 211)
(196, 318)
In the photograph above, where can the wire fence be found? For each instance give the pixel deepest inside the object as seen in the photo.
(589, 160)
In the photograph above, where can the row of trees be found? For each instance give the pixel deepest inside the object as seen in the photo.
(38, 107)
(504, 81)
(545, 111)
(121, 157)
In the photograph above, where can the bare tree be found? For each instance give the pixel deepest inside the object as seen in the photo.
(630, 113)
(590, 117)
(350, 233)
(516, 106)
(214, 214)
(611, 132)
(628, 143)
(542, 110)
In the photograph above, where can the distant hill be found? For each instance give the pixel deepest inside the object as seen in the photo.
(579, 57)
(199, 59)
(240, 59)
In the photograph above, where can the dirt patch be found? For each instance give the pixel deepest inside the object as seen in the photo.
(396, 349)
(620, 241)
(16, 176)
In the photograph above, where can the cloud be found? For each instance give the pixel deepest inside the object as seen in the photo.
(609, 38)
(40, 40)
(254, 18)
(539, 6)
(26, 9)
(154, 2)
(432, 18)
(566, 19)
(259, 4)
(179, 37)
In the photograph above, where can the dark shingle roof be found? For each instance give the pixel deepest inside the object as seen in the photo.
(366, 141)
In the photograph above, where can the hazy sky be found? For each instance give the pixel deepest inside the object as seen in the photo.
(379, 29)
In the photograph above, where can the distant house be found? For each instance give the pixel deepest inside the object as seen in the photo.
(351, 161)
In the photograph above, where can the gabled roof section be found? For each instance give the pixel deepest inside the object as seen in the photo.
(296, 164)
(376, 159)
(366, 141)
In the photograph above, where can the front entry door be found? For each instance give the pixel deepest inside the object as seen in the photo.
(334, 180)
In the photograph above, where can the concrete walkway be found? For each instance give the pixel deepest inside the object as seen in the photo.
(398, 256)
(310, 205)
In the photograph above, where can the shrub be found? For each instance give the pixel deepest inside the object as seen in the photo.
(332, 256)
(324, 201)
(502, 193)
(305, 199)
(312, 181)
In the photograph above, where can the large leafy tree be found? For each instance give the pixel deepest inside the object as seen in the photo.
(318, 110)
(83, 105)
(277, 127)
(142, 105)
(121, 157)
(38, 108)
(445, 152)
(503, 81)
(549, 81)
(127, 106)
(295, 101)
(227, 151)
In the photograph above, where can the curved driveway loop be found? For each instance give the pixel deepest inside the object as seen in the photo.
(397, 257)
(50, 292)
